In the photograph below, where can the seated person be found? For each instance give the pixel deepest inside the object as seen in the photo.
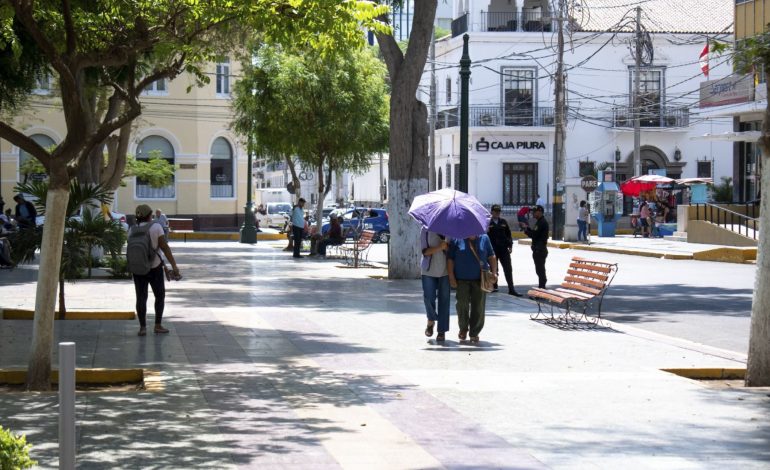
(333, 236)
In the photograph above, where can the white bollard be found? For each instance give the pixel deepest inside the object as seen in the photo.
(67, 406)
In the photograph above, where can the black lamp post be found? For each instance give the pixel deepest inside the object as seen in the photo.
(465, 75)
(248, 230)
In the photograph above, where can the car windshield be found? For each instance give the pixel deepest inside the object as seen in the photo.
(277, 208)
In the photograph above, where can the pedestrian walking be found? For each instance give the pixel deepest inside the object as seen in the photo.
(465, 259)
(582, 221)
(26, 214)
(144, 240)
(297, 218)
(539, 236)
(500, 235)
(435, 282)
(162, 220)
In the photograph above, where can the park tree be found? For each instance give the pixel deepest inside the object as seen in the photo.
(408, 164)
(753, 55)
(123, 47)
(330, 112)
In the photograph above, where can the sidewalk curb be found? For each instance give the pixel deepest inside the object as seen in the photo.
(226, 236)
(85, 376)
(24, 314)
(618, 251)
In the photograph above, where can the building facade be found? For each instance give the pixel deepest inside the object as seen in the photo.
(512, 46)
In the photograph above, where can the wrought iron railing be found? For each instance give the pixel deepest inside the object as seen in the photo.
(145, 191)
(459, 25)
(499, 21)
(498, 115)
(535, 21)
(662, 117)
(221, 189)
(739, 223)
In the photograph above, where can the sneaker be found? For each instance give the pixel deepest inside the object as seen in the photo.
(514, 293)
(159, 330)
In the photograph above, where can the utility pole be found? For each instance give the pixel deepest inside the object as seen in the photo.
(559, 160)
(465, 75)
(432, 177)
(637, 107)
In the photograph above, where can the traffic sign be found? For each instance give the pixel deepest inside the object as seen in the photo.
(589, 183)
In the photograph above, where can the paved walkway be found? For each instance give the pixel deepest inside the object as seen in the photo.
(277, 363)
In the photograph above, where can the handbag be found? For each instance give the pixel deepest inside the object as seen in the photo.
(488, 278)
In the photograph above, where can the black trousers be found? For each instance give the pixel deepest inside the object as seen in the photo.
(539, 256)
(504, 258)
(155, 279)
(296, 235)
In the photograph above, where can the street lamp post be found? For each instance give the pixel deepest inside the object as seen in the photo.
(465, 75)
(248, 230)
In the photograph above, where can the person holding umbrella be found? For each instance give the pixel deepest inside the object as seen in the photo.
(435, 282)
(465, 260)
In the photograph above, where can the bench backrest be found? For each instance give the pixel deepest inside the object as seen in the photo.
(366, 238)
(589, 277)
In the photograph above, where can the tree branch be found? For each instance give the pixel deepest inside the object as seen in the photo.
(391, 53)
(419, 42)
(25, 143)
(69, 28)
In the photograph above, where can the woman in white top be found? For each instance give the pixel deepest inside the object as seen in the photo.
(435, 282)
(582, 221)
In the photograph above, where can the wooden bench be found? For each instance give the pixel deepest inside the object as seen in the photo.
(181, 226)
(583, 288)
(358, 250)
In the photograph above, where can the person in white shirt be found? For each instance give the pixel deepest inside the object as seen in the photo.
(540, 201)
(154, 278)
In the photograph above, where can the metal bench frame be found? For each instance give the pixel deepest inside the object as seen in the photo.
(358, 251)
(583, 288)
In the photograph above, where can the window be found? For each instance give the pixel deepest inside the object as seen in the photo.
(439, 179)
(519, 184)
(223, 77)
(155, 147)
(651, 88)
(221, 168)
(704, 169)
(158, 87)
(448, 175)
(43, 141)
(448, 90)
(518, 96)
(457, 175)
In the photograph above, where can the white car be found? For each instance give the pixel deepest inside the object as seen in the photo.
(40, 220)
(275, 215)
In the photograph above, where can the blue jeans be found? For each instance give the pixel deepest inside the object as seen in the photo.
(433, 288)
(582, 226)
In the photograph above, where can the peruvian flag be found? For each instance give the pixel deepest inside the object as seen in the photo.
(704, 60)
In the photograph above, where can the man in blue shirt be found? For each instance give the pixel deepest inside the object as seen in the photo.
(298, 225)
(464, 269)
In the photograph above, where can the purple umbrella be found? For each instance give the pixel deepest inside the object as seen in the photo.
(451, 213)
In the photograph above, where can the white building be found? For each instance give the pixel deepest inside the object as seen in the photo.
(513, 50)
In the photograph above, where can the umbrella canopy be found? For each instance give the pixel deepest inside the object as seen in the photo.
(640, 184)
(450, 213)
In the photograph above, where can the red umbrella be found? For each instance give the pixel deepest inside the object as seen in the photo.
(640, 184)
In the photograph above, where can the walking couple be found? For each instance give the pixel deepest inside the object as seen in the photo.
(455, 263)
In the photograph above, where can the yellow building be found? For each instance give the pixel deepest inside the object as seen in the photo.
(191, 130)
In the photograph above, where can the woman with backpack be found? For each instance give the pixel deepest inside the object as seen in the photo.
(145, 264)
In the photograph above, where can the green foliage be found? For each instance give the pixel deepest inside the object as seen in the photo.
(331, 111)
(118, 267)
(722, 192)
(80, 194)
(439, 32)
(14, 451)
(155, 171)
(752, 54)
(31, 166)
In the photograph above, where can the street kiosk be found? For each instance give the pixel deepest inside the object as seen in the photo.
(606, 203)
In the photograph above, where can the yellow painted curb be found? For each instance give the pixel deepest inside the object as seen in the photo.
(82, 376)
(709, 373)
(22, 314)
(727, 254)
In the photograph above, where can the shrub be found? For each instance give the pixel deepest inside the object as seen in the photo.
(119, 267)
(14, 451)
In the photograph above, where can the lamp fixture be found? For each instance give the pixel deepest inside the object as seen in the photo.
(677, 154)
(617, 154)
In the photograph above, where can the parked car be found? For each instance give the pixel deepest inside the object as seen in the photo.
(115, 216)
(362, 218)
(275, 215)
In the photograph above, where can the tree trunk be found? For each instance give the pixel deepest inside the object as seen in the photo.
(39, 372)
(408, 163)
(62, 305)
(758, 367)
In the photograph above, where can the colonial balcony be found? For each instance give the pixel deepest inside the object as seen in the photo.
(664, 117)
(507, 21)
(500, 115)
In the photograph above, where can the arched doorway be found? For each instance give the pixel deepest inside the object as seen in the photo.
(25, 172)
(221, 168)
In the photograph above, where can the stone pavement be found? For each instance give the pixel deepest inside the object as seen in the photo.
(280, 363)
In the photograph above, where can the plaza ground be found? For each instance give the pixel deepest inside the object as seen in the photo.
(278, 363)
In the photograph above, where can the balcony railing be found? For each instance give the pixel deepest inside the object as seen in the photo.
(505, 21)
(664, 117)
(145, 191)
(221, 189)
(489, 116)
